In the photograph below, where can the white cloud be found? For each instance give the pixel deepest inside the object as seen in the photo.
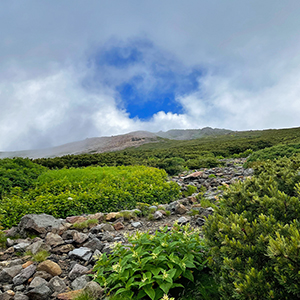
(249, 49)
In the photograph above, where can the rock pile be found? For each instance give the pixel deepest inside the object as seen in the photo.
(70, 249)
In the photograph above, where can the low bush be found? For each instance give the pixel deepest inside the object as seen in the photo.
(151, 265)
(254, 235)
(66, 192)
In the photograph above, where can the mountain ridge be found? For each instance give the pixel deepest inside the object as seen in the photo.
(115, 143)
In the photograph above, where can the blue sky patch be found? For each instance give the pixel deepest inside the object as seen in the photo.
(146, 78)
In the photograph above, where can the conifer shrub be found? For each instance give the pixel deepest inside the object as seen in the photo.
(254, 234)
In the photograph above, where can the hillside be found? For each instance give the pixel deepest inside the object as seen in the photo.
(115, 143)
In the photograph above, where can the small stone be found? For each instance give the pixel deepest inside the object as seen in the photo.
(7, 274)
(112, 216)
(57, 284)
(182, 221)
(20, 297)
(80, 237)
(93, 289)
(41, 292)
(69, 295)
(200, 222)
(119, 226)
(43, 274)
(38, 246)
(102, 228)
(181, 209)
(136, 224)
(94, 244)
(27, 264)
(63, 249)
(24, 275)
(53, 239)
(50, 267)
(37, 281)
(81, 253)
(80, 282)
(19, 288)
(158, 215)
(76, 219)
(77, 271)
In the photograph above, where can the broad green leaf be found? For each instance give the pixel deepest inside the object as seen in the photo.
(150, 291)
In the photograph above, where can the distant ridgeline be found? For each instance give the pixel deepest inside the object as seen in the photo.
(177, 155)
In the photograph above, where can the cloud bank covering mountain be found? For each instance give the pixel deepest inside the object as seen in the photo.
(77, 69)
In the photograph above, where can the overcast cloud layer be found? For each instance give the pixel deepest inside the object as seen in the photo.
(75, 69)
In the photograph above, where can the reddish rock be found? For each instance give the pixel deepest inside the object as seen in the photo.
(76, 219)
(119, 226)
(69, 295)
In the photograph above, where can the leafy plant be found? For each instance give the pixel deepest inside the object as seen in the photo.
(151, 265)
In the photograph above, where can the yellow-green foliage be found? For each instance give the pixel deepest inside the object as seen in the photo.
(66, 192)
(254, 235)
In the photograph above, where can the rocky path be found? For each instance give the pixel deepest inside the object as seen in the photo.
(72, 243)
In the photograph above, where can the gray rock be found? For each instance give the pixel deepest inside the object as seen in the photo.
(19, 288)
(107, 249)
(80, 237)
(94, 244)
(43, 274)
(21, 246)
(248, 172)
(7, 287)
(9, 242)
(37, 281)
(6, 296)
(41, 292)
(20, 297)
(38, 224)
(38, 246)
(10, 263)
(200, 222)
(77, 271)
(80, 282)
(136, 224)
(83, 253)
(102, 228)
(24, 275)
(158, 215)
(53, 239)
(93, 289)
(57, 284)
(7, 274)
(182, 220)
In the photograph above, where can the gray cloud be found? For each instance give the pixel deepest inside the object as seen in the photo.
(250, 50)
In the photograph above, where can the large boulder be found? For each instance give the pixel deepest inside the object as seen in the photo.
(39, 224)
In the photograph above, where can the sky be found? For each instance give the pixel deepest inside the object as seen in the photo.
(73, 69)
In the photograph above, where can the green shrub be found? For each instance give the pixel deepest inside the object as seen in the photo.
(191, 189)
(151, 265)
(18, 172)
(66, 192)
(252, 234)
(273, 153)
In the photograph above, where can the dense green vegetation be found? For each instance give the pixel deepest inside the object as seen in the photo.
(175, 156)
(66, 192)
(273, 153)
(18, 172)
(252, 238)
(254, 235)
